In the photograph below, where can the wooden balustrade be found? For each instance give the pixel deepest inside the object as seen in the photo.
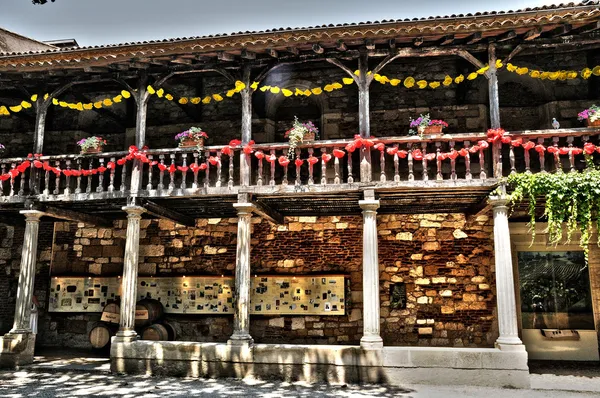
(392, 161)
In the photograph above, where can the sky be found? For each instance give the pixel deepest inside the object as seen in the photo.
(93, 22)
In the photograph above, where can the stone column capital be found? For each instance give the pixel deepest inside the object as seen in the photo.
(32, 215)
(134, 211)
(499, 201)
(369, 204)
(244, 208)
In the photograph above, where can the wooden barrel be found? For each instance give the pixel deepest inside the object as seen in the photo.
(101, 333)
(172, 333)
(111, 313)
(147, 311)
(156, 332)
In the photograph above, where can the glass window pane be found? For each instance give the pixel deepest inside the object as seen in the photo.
(555, 290)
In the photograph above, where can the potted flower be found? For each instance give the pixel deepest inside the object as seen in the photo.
(425, 125)
(193, 137)
(592, 115)
(299, 133)
(91, 145)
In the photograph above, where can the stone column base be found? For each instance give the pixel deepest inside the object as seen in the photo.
(371, 343)
(240, 340)
(16, 349)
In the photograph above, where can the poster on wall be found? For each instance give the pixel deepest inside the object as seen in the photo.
(269, 295)
(79, 294)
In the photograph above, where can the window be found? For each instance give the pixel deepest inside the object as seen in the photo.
(555, 290)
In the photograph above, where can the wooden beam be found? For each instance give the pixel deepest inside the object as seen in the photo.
(272, 53)
(448, 39)
(95, 69)
(71, 215)
(341, 46)
(162, 212)
(293, 50)
(392, 43)
(268, 213)
(418, 41)
(474, 38)
(369, 44)
(138, 65)
(509, 35)
(318, 49)
(181, 61)
(561, 30)
(246, 54)
(226, 57)
(589, 28)
(533, 34)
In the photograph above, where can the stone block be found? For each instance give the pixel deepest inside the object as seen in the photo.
(459, 234)
(431, 246)
(152, 250)
(422, 281)
(406, 236)
(469, 297)
(277, 322)
(429, 224)
(89, 233)
(425, 331)
(298, 323)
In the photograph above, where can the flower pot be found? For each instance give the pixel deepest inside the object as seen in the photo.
(595, 123)
(190, 143)
(308, 137)
(433, 130)
(92, 150)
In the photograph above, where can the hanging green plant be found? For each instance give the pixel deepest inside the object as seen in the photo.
(571, 199)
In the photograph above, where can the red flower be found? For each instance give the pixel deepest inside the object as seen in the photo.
(226, 151)
(474, 149)
(589, 148)
(162, 167)
(351, 147)
(392, 151)
(248, 148)
(154, 163)
(380, 146)
(4, 177)
(213, 160)
(402, 154)
(101, 169)
(142, 158)
(133, 149)
(37, 164)
(260, 155)
(540, 148)
(505, 140)
(67, 173)
(298, 162)
(463, 152)
(14, 172)
(442, 156)
(429, 156)
(417, 154)
(577, 151)
(172, 168)
(367, 143)
(86, 172)
(194, 167)
(312, 160)
(234, 143)
(562, 151)
(517, 142)
(528, 145)
(453, 154)
(284, 161)
(55, 170)
(76, 173)
(553, 149)
(203, 166)
(182, 168)
(110, 165)
(483, 144)
(121, 161)
(326, 157)
(271, 158)
(338, 153)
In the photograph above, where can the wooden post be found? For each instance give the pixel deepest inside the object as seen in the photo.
(494, 109)
(364, 122)
(41, 111)
(245, 160)
(141, 98)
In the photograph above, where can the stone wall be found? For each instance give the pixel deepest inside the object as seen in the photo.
(445, 260)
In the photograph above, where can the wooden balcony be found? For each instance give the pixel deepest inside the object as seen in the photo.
(448, 173)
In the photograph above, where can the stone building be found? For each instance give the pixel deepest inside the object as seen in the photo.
(417, 259)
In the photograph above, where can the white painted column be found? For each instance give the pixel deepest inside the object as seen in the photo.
(130, 272)
(505, 285)
(27, 272)
(241, 317)
(371, 338)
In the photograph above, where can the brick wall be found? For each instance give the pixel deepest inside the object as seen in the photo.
(445, 261)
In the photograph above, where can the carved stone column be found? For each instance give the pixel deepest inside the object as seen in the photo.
(16, 347)
(371, 338)
(126, 331)
(241, 318)
(505, 287)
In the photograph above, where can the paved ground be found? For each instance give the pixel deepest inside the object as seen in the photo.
(38, 383)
